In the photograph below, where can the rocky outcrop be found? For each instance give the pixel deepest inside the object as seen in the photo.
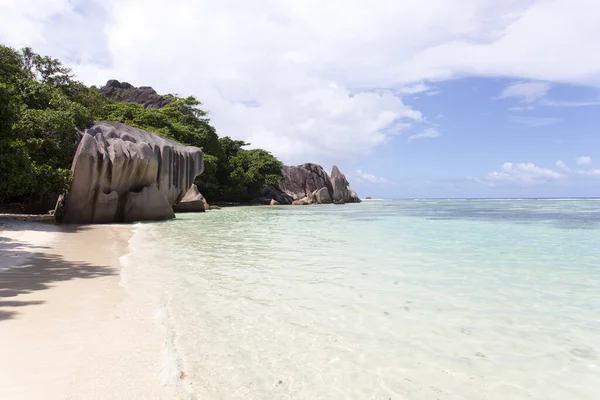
(193, 201)
(144, 95)
(302, 202)
(272, 193)
(125, 174)
(309, 184)
(342, 192)
(322, 196)
(302, 180)
(353, 196)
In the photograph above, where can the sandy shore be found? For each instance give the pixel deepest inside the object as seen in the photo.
(68, 328)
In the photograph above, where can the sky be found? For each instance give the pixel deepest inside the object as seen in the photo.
(410, 98)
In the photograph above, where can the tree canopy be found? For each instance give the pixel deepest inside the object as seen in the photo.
(42, 107)
(38, 116)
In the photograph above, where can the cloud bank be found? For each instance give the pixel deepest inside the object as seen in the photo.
(299, 77)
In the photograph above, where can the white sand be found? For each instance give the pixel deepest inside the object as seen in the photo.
(68, 329)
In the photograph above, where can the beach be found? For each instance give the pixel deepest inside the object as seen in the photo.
(401, 299)
(69, 327)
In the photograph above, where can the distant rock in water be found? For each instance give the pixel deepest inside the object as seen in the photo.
(322, 196)
(309, 184)
(144, 95)
(301, 181)
(342, 192)
(125, 174)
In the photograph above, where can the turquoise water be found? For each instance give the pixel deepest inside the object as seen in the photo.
(403, 299)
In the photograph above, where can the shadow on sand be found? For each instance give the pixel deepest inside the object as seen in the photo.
(38, 272)
(8, 224)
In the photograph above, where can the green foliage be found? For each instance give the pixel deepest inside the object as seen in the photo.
(241, 173)
(38, 120)
(178, 120)
(46, 69)
(16, 170)
(41, 107)
(254, 169)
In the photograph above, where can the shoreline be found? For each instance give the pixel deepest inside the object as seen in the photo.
(74, 329)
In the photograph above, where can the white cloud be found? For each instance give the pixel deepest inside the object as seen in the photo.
(523, 173)
(563, 103)
(581, 161)
(429, 133)
(297, 77)
(533, 94)
(364, 177)
(526, 92)
(534, 121)
(414, 89)
(589, 172)
(523, 108)
(561, 164)
(584, 160)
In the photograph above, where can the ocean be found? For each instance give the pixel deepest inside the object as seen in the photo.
(389, 299)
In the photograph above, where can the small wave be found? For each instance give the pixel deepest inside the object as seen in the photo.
(126, 260)
(172, 372)
(138, 278)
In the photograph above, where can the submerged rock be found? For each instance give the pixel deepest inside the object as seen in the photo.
(125, 174)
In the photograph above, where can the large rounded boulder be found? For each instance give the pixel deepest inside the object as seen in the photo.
(125, 174)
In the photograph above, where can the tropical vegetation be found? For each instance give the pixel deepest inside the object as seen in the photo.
(43, 109)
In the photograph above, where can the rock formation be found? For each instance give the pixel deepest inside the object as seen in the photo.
(322, 196)
(309, 184)
(272, 193)
(125, 174)
(302, 180)
(302, 202)
(342, 192)
(193, 201)
(144, 95)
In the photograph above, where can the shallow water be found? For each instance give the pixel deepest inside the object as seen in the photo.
(402, 299)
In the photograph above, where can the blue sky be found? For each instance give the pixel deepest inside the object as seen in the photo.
(479, 132)
(489, 99)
